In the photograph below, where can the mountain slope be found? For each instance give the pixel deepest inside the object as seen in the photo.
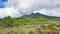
(36, 15)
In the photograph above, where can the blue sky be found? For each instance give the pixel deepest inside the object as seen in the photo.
(1, 6)
(4, 0)
(1, 3)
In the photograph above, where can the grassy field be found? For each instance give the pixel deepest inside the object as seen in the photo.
(39, 25)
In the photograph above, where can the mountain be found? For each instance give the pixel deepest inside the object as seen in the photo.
(36, 15)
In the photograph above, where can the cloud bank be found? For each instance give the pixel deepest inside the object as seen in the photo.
(18, 8)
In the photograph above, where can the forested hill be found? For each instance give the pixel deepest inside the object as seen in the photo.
(36, 15)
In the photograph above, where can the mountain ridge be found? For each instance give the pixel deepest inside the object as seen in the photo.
(36, 15)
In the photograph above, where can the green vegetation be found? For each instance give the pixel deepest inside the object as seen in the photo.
(41, 25)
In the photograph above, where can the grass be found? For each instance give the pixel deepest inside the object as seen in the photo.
(39, 25)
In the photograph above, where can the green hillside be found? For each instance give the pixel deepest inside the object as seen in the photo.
(37, 15)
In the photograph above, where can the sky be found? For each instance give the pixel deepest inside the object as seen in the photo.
(18, 8)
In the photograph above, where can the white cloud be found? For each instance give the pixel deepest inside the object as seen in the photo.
(49, 12)
(9, 12)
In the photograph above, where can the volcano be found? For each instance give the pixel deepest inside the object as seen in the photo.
(36, 15)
